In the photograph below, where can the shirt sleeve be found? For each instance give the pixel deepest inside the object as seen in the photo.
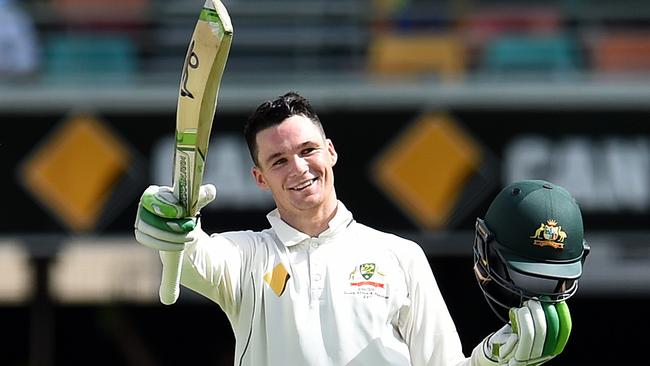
(212, 266)
(424, 321)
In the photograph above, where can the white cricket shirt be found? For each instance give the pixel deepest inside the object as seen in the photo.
(351, 296)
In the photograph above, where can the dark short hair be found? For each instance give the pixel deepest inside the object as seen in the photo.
(273, 112)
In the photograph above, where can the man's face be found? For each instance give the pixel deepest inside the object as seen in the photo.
(295, 164)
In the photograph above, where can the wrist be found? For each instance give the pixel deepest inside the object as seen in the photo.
(481, 356)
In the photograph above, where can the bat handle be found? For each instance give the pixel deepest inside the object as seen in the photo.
(171, 277)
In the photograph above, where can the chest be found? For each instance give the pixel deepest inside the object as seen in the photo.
(341, 275)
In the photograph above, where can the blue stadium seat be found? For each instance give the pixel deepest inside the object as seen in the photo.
(69, 57)
(532, 54)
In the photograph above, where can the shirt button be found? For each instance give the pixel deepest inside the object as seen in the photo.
(317, 277)
(314, 245)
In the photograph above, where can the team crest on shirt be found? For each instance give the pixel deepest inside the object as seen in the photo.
(367, 270)
(366, 281)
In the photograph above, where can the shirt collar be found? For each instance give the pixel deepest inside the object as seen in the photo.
(290, 236)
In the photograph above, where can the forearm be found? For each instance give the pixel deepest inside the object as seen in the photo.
(211, 267)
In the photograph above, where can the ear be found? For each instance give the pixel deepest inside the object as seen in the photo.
(332, 151)
(260, 181)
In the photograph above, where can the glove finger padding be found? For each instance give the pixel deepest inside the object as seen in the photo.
(537, 332)
(498, 347)
(159, 235)
(542, 330)
(162, 245)
(529, 322)
(524, 325)
(207, 194)
(565, 327)
(172, 226)
(161, 221)
(161, 201)
(541, 327)
(552, 328)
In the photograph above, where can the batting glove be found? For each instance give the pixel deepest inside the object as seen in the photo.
(537, 332)
(162, 223)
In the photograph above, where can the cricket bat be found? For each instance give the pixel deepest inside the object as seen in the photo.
(197, 100)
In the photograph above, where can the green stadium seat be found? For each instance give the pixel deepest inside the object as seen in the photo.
(534, 54)
(69, 57)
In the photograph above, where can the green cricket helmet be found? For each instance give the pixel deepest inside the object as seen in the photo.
(529, 245)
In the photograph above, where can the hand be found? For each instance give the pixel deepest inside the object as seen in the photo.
(537, 332)
(162, 223)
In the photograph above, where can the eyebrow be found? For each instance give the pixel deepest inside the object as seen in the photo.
(278, 154)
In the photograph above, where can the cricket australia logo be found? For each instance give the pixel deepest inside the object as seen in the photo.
(367, 270)
(549, 234)
(366, 281)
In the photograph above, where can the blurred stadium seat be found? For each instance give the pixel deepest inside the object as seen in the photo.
(406, 54)
(110, 58)
(621, 52)
(95, 12)
(292, 38)
(482, 24)
(531, 54)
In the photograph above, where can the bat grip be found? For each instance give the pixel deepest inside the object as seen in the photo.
(171, 277)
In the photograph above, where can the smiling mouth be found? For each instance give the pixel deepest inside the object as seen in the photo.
(304, 185)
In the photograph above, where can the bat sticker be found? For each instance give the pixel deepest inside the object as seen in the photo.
(191, 60)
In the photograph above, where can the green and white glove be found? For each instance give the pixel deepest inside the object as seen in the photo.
(537, 332)
(162, 223)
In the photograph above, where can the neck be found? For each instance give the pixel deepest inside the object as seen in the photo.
(313, 221)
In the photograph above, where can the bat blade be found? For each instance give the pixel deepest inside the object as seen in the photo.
(202, 71)
(203, 68)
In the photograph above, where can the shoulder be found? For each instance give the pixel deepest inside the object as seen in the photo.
(252, 242)
(401, 246)
(242, 235)
(246, 237)
(404, 253)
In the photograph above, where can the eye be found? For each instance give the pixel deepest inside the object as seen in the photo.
(308, 150)
(279, 162)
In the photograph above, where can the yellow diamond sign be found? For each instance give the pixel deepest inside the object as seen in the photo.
(425, 170)
(75, 170)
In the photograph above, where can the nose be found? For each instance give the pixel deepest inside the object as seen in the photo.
(299, 165)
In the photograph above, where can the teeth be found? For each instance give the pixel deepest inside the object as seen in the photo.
(305, 185)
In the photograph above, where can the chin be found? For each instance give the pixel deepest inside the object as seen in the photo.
(307, 204)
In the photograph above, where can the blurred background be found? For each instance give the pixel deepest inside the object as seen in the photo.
(432, 106)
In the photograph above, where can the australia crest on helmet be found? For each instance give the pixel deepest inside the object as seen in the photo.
(549, 234)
